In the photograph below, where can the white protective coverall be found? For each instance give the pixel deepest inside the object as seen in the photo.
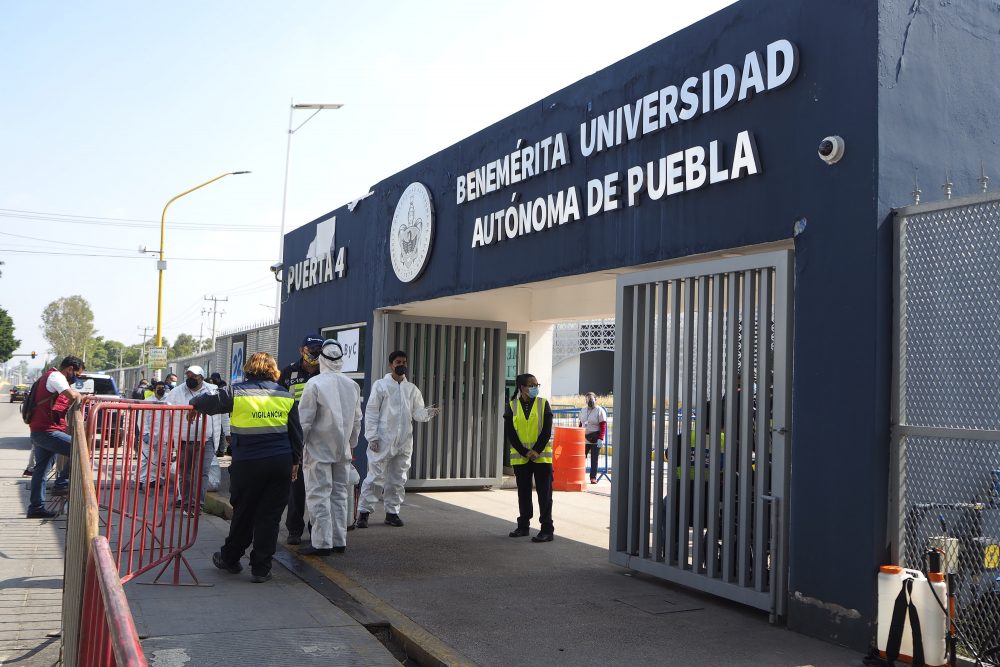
(330, 414)
(392, 407)
(152, 445)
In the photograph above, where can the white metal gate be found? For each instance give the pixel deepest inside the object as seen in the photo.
(700, 495)
(459, 366)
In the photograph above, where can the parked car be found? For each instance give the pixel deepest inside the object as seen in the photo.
(19, 392)
(99, 384)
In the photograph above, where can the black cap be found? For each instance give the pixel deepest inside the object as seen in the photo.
(312, 341)
(215, 376)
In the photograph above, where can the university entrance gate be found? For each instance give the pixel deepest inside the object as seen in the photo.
(701, 460)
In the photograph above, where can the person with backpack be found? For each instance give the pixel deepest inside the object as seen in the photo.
(45, 413)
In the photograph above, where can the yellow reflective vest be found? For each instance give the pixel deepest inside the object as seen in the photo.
(258, 411)
(528, 428)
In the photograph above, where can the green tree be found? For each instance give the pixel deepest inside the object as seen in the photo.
(68, 326)
(8, 344)
(184, 345)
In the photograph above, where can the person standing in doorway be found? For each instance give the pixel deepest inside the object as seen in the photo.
(527, 425)
(48, 432)
(262, 468)
(594, 421)
(330, 414)
(392, 406)
(294, 378)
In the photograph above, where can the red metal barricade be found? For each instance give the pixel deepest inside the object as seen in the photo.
(148, 462)
(98, 630)
(107, 632)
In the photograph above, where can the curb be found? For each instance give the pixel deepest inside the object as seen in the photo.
(423, 646)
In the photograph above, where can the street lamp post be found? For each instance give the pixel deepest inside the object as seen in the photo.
(284, 194)
(161, 265)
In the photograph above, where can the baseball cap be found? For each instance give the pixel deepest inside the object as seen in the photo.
(310, 341)
(196, 370)
(215, 376)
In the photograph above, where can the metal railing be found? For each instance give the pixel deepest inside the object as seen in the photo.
(569, 415)
(98, 628)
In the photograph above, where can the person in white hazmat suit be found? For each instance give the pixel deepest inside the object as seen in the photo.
(330, 414)
(392, 406)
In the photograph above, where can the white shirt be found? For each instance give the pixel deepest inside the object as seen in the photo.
(181, 395)
(591, 418)
(57, 383)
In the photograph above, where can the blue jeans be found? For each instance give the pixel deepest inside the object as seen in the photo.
(47, 444)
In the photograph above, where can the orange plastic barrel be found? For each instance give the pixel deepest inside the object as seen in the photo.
(569, 465)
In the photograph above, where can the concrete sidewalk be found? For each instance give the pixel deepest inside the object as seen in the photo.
(228, 621)
(31, 561)
(452, 577)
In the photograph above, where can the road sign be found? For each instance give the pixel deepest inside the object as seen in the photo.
(157, 357)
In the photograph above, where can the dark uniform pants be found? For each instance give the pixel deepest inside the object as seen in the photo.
(294, 521)
(542, 474)
(258, 493)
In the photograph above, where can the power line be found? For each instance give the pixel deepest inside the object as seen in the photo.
(81, 245)
(173, 259)
(128, 222)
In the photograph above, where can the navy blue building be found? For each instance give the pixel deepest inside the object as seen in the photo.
(692, 157)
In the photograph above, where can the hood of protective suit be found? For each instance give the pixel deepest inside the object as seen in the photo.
(331, 359)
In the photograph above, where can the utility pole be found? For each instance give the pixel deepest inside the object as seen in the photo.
(215, 310)
(142, 350)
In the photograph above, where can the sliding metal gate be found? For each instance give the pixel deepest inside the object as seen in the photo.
(702, 371)
(459, 366)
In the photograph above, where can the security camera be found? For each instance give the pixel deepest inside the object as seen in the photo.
(276, 270)
(831, 149)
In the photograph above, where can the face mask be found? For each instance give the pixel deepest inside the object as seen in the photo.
(311, 358)
(400, 370)
(590, 403)
(192, 383)
(533, 392)
(171, 385)
(160, 393)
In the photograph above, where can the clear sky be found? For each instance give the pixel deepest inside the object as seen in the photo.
(112, 108)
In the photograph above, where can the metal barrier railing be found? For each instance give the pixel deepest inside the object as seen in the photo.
(568, 415)
(94, 609)
(148, 462)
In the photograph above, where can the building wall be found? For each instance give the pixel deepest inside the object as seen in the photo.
(833, 215)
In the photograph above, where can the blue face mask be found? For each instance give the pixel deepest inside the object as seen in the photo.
(533, 392)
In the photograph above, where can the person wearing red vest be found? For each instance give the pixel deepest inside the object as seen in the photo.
(48, 431)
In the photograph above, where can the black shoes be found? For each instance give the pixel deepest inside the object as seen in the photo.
(518, 532)
(260, 578)
(542, 537)
(293, 540)
(217, 561)
(393, 520)
(338, 550)
(41, 513)
(313, 551)
(362, 521)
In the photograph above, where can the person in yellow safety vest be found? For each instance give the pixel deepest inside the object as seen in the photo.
(262, 471)
(294, 377)
(527, 423)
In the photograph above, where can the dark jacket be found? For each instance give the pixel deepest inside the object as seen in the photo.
(245, 447)
(294, 374)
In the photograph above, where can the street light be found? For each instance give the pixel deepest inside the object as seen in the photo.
(284, 194)
(161, 265)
